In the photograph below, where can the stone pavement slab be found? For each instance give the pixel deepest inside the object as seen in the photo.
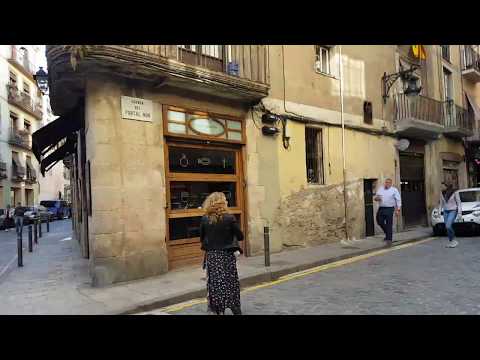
(55, 278)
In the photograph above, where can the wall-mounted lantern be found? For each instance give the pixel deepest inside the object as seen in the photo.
(41, 77)
(406, 75)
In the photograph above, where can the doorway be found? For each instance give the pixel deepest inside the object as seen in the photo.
(193, 172)
(368, 190)
(29, 197)
(412, 180)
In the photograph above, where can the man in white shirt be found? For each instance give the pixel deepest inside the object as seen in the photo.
(390, 202)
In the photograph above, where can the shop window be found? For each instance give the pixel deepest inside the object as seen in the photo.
(314, 155)
(184, 228)
(191, 194)
(193, 160)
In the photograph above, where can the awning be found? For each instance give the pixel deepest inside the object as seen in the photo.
(67, 148)
(48, 136)
(474, 105)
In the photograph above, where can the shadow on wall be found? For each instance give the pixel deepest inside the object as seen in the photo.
(353, 78)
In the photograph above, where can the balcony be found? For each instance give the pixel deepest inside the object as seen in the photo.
(235, 72)
(471, 64)
(21, 61)
(24, 101)
(18, 173)
(3, 170)
(418, 116)
(20, 138)
(458, 121)
(31, 176)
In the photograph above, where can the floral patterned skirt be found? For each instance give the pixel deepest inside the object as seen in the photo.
(223, 286)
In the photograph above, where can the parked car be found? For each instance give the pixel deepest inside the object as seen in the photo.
(59, 208)
(3, 224)
(33, 213)
(470, 221)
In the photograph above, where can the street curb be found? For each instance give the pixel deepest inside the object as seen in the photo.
(252, 280)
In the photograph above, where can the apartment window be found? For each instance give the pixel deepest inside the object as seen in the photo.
(188, 47)
(13, 120)
(447, 84)
(322, 59)
(445, 52)
(13, 78)
(314, 152)
(26, 88)
(367, 112)
(27, 126)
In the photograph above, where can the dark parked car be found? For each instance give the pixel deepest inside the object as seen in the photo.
(33, 213)
(59, 208)
(3, 224)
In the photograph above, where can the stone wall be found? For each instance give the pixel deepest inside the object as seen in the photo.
(127, 229)
(316, 215)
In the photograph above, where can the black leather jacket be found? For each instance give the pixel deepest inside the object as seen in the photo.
(220, 236)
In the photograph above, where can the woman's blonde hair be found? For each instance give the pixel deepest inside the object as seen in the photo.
(215, 206)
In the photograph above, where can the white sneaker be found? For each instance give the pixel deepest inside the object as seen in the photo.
(452, 244)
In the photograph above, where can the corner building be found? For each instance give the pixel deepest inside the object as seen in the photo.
(296, 136)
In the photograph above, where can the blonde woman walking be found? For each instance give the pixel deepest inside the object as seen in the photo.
(219, 236)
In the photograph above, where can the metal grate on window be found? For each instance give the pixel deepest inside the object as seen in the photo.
(314, 155)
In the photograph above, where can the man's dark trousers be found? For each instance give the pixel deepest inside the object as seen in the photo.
(385, 221)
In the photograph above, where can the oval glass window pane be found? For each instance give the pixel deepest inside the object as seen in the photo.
(177, 128)
(207, 126)
(237, 136)
(176, 116)
(234, 125)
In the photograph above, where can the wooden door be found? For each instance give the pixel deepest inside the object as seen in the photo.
(192, 173)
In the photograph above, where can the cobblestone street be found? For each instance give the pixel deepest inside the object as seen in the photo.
(426, 278)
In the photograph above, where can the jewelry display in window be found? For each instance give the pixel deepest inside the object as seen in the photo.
(184, 161)
(205, 161)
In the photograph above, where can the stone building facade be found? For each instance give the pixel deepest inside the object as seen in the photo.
(297, 137)
(21, 112)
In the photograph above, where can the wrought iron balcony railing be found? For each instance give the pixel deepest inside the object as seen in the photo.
(470, 59)
(418, 108)
(18, 172)
(24, 101)
(20, 138)
(456, 116)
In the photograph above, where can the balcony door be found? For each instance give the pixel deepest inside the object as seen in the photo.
(209, 56)
(193, 172)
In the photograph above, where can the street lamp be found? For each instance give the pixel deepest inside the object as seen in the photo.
(41, 77)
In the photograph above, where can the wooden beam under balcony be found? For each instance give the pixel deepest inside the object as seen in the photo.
(241, 75)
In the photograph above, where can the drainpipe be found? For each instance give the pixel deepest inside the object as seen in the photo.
(343, 142)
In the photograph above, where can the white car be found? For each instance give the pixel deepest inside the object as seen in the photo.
(470, 199)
